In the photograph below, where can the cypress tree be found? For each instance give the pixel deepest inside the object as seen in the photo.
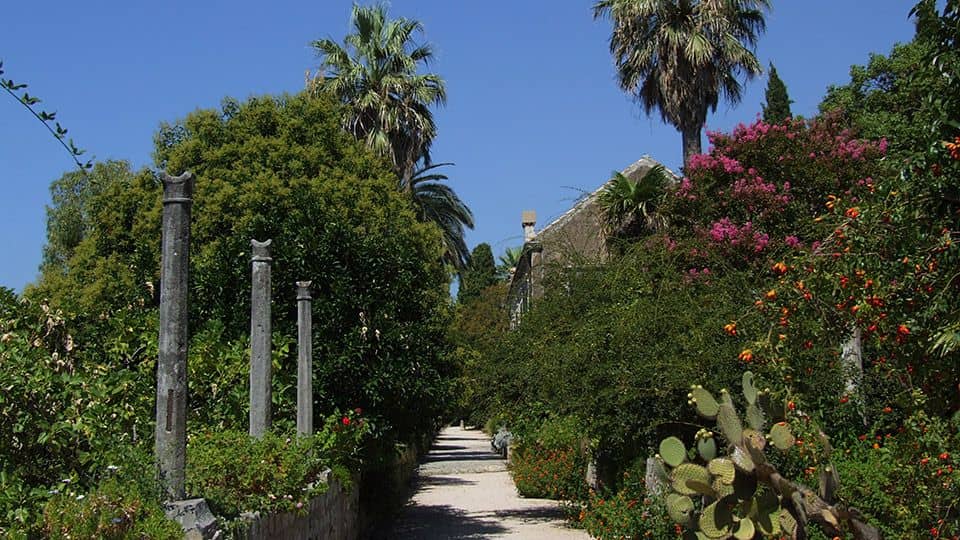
(480, 273)
(777, 108)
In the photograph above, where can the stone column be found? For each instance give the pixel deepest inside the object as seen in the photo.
(260, 361)
(304, 359)
(171, 428)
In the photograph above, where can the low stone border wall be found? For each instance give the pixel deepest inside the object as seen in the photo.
(334, 515)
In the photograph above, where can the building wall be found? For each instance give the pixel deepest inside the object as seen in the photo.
(574, 239)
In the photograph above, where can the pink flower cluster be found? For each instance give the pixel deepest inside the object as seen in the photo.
(756, 192)
(685, 191)
(710, 162)
(727, 233)
(757, 130)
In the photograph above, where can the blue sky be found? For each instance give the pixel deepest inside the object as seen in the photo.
(534, 117)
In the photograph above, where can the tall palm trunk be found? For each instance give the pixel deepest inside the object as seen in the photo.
(691, 143)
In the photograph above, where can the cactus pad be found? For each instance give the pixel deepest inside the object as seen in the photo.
(744, 530)
(729, 423)
(781, 437)
(680, 509)
(749, 390)
(686, 472)
(766, 513)
(673, 451)
(742, 460)
(716, 520)
(788, 524)
(704, 401)
(722, 489)
(755, 417)
(707, 448)
(723, 469)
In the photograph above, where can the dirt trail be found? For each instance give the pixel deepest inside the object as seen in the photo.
(463, 491)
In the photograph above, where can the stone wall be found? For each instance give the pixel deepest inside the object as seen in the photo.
(334, 515)
(574, 240)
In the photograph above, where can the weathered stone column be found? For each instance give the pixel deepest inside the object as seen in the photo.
(260, 362)
(171, 429)
(304, 359)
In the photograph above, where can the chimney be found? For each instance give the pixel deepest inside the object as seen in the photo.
(529, 219)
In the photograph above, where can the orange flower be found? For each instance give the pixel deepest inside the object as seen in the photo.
(730, 328)
(746, 355)
(831, 201)
(887, 410)
(771, 294)
(780, 268)
(852, 213)
(903, 330)
(953, 147)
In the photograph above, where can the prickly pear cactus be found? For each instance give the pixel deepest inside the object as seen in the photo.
(740, 494)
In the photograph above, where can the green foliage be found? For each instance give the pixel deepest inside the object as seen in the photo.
(113, 511)
(582, 348)
(479, 274)
(630, 512)
(64, 412)
(277, 168)
(550, 460)
(888, 97)
(508, 262)
(907, 482)
(777, 107)
(475, 332)
(236, 472)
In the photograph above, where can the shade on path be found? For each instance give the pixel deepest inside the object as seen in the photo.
(463, 491)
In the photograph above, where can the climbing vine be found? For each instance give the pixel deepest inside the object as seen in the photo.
(48, 119)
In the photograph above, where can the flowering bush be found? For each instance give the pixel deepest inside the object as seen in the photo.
(551, 462)
(629, 513)
(236, 472)
(755, 192)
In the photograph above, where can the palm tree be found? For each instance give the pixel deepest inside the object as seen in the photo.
(680, 56)
(628, 206)
(375, 74)
(438, 203)
(508, 263)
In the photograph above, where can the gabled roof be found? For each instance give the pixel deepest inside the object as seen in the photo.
(634, 171)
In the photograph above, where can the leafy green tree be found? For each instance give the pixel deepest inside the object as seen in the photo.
(479, 274)
(72, 214)
(777, 107)
(375, 74)
(680, 56)
(280, 168)
(887, 97)
(438, 203)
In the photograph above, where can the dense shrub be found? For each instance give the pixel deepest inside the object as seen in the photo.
(629, 512)
(237, 473)
(113, 511)
(63, 413)
(551, 460)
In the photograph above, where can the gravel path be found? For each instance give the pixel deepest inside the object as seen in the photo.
(463, 491)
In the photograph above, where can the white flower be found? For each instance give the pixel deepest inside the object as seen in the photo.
(80, 497)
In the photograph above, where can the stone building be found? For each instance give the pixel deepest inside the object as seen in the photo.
(576, 238)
